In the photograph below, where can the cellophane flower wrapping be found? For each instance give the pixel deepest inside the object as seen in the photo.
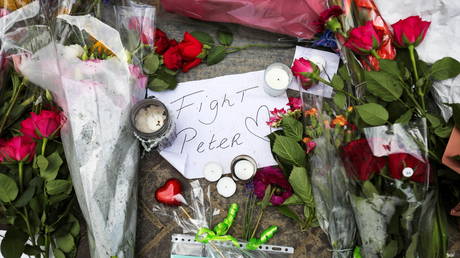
(294, 18)
(331, 185)
(389, 165)
(86, 62)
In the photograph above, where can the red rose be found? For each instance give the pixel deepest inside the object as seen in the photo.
(19, 148)
(410, 31)
(190, 47)
(303, 65)
(172, 58)
(162, 42)
(190, 64)
(144, 27)
(399, 161)
(359, 160)
(327, 14)
(364, 39)
(43, 125)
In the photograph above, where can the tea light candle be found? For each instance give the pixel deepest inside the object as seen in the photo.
(277, 78)
(213, 171)
(226, 187)
(244, 169)
(150, 119)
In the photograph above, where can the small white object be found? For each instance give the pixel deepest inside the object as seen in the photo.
(244, 169)
(408, 172)
(277, 79)
(319, 61)
(213, 171)
(226, 187)
(150, 119)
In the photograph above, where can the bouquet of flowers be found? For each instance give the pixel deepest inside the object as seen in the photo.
(37, 199)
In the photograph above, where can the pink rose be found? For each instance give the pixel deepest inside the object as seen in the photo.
(306, 71)
(19, 148)
(410, 31)
(43, 125)
(138, 75)
(364, 39)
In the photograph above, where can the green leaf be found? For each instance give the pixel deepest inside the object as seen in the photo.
(53, 164)
(293, 200)
(337, 82)
(203, 37)
(289, 150)
(42, 162)
(58, 253)
(151, 64)
(216, 54)
(267, 197)
(369, 189)
(445, 68)
(57, 198)
(391, 250)
(55, 187)
(443, 131)
(343, 72)
(373, 114)
(13, 243)
(390, 67)
(8, 189)
(434, 120)
(456, 115)
(75, 228)
(65, 243)
(405, 118)
(25, 197)
(225, 37)
(340, 99)
(383, 85)
(301, 185)
(158, 85)
(32, 251)
(455, 158)
(293, 128)
(286, 211)
(412, 249)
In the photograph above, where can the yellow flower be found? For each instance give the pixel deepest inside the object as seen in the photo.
(100, 48)
(340, 120)
(350, 108)
(311, 112)
(13, 5)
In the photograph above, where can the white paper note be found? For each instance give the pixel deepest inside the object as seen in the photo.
(218, 119)
(332, 65)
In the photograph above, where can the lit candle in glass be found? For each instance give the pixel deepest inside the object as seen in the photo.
(277, 78)
(243, 167)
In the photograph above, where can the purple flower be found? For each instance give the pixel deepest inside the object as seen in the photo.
(274, 177)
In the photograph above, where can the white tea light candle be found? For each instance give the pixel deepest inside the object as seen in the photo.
(213, 171)
(226, 187)
(150, 119)
(277, 78)
(244, 169)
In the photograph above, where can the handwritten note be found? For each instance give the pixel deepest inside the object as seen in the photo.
(218, 119)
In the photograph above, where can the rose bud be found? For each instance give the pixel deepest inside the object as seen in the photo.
(306, 71)
(364, 39)
(410, 31)
(190, 47)
(18, 148)
(44, 125)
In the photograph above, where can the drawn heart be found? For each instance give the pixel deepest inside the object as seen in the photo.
(256, 127)
(170, 193)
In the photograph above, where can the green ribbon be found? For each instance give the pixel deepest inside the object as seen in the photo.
(357, 252)
(204, 235)
(255, 243)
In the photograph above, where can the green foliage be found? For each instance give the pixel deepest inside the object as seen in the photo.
(445, 68)
(288, 149)
(203, 37)
(292, 128)
(151, 63)
(225, 36)
(373, 114)
(216, 54)
(8, 189)
(383, 85)
(13, 243)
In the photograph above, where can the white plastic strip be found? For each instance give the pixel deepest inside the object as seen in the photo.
(180, 238)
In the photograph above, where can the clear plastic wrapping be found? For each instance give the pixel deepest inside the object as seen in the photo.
(88, 65)
(197, 214)
(291, 17)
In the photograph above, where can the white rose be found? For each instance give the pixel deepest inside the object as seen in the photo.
(72, 51)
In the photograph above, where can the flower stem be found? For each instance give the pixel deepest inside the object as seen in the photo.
(10, 107)
(412, 59)
(257, 223)
(236, 49)
(21, 175)
(45, 141)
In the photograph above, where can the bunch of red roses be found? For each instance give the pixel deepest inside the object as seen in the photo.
(42, 126)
